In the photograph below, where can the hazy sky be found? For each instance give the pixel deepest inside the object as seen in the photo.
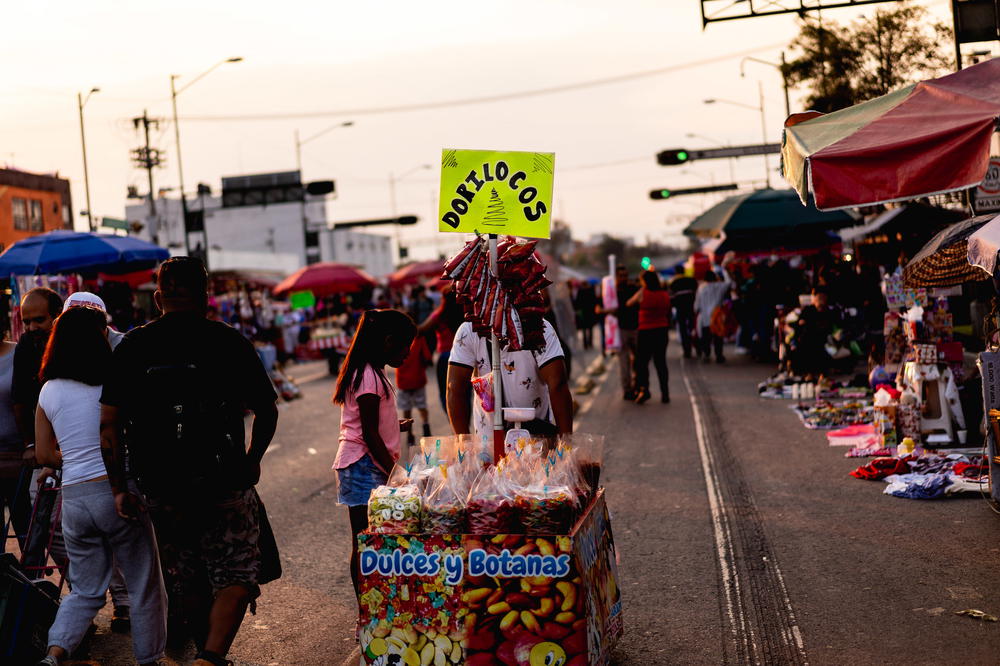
(335, 56)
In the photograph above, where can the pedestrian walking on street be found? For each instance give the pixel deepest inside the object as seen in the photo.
(39, 308)
(682, 292)
(653, 302)
(179, 388)
(711, 295)
(411, 380)
(628, 327)
(67, 436)
(444, 322)
(14, 476)
(369, 425)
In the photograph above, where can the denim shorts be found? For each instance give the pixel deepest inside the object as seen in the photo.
(356, 482)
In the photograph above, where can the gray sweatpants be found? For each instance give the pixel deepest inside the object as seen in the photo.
(626, 358)
(94, 534)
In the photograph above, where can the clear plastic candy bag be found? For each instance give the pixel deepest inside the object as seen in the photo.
(394, 510)
(444, 506)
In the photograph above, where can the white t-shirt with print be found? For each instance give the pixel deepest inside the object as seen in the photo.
(521, 384)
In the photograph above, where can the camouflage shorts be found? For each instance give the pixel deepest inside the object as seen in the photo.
(214, 543)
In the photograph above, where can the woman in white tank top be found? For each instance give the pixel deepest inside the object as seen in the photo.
(67, 435)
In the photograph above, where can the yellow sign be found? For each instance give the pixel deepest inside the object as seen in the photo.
(496, 192)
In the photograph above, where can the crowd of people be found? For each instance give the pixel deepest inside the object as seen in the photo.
(143, 437)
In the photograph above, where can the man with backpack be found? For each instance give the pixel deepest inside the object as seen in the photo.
(176, 396)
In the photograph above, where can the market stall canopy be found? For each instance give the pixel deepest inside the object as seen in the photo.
(927, 138)
(763, 210)
(326, 278)
(944, 261)
(79, 252)
(756, 246)
(911, 218)
(984, 244)
(416, 272)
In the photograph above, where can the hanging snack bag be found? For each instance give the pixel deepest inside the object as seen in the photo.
(588, 451)
(444, 508)
(490, 509)
(394, 510)
(484, 389)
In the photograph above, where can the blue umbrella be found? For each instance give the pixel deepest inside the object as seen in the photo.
(77, 252)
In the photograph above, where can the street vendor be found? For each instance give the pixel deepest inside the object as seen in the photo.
(531, 379)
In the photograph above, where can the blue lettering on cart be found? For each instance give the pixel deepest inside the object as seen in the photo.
(454, 568)
(399, 563)
(508, 565)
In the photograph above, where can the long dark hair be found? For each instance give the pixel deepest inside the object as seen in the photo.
(451, 312)
(77, 348)
(380, 335)
(651, 280)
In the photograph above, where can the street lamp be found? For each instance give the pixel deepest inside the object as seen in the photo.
(298, 165)
(174, 92)
(780, 68)
(763, 124)
(393, 179)
(81, 101)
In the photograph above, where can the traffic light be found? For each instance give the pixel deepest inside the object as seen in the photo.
(666, 194)
(673, 157)
(646, 263)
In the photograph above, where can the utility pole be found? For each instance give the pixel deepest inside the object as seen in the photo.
(80, 102)
(148, 158)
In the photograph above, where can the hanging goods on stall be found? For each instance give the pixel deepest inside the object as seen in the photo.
(506, 302)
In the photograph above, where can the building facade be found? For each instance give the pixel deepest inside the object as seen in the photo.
(260, 222)
(31, 204)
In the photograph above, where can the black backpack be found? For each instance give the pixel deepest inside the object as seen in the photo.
(185, 438)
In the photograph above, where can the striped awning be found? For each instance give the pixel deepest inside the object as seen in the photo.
(944, 261)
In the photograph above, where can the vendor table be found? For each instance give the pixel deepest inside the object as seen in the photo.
(510, 599)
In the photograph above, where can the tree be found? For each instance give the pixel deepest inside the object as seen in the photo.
(845, 65)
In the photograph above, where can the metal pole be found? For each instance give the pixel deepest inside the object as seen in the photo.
(784, 80)
(395, 214)
(498, 432)
(763, 132)
(302, 201)
(86, 174)
(149, 166)
(180, 175)
(954, 29)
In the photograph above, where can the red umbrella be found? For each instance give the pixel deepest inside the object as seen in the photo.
(325, 279)
(924, 139)
(412, 273)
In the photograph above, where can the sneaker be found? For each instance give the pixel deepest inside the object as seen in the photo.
(629, 396)
(720, 360)
(49, 660)
(121, 622)
(411, 439)
(642, 395)
(427, 430)
(665, 400)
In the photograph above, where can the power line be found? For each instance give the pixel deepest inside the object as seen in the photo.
(425, 106)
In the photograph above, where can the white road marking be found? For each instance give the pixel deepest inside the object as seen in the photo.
(353, 658)
(724, 545)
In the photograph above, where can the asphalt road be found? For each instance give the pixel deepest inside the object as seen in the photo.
(741, 537)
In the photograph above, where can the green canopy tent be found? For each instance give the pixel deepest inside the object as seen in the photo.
(765, 213)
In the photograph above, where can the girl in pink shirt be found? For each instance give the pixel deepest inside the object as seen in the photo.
(369, 426)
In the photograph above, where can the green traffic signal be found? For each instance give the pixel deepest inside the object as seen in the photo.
(646, 263)
(665, 194)
(682, 155)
